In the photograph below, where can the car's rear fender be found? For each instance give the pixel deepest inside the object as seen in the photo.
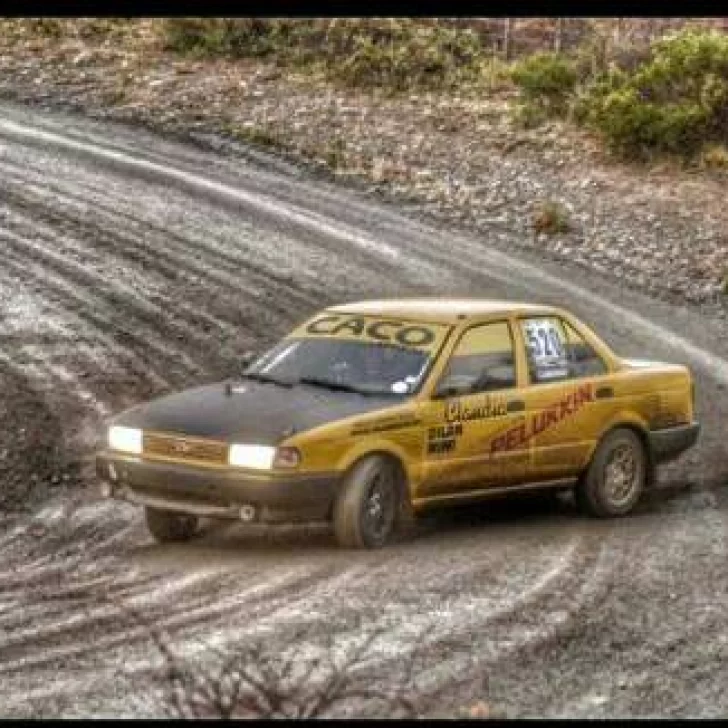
(672, 384)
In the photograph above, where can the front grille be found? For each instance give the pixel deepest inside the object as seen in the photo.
(183, 448)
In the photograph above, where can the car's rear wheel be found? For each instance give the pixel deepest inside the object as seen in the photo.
(168, 527)
(366, 512)
(616, 477)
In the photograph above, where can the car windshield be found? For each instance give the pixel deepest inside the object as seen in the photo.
(343, 365)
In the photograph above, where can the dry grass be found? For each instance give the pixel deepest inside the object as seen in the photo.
(551, 218)
(305, 673)
(714, 157)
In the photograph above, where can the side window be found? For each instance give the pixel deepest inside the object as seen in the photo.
(556, 351)
(583, 360)
(481, 362)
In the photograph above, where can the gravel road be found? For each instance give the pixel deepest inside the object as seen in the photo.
(131, 266)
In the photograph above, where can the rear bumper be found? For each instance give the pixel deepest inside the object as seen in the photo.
(671, 442)
(219, 493)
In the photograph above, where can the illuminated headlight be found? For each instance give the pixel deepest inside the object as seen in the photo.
(263, 457)
(126, 439)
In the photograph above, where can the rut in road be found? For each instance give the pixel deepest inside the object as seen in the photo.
(130, 267)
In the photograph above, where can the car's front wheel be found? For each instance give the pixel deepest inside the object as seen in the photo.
(168, 527)
(616, 477)
(366, 511)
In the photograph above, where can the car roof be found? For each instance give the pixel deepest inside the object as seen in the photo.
(439, 310)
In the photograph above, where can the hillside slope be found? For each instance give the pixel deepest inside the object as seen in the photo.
(456, 155)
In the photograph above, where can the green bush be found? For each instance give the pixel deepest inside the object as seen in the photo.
(545, 80)
(221, 36)
(406, 57)
(528, 116)
(391, 53)
(674, 102)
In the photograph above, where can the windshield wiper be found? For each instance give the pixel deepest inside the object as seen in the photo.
(335, 386)
(260, 377)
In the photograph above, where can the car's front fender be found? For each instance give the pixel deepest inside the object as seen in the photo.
(411, 465)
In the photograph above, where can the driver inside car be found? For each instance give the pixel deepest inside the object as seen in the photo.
(380, 366)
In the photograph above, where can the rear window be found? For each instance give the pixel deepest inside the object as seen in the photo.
(556, 351)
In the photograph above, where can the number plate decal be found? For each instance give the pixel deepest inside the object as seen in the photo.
(545, 343)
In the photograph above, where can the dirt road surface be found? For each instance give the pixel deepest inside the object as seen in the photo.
(131, 266)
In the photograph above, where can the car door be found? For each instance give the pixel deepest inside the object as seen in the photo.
(567, 398)
(474, 401)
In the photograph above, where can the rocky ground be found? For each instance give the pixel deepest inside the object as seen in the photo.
(458, 158)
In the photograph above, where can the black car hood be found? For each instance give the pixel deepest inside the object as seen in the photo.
(253, 412)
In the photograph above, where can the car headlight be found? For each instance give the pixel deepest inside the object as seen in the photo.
(263, 457)
(126, 439)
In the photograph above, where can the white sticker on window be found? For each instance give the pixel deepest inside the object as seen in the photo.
(546, 348)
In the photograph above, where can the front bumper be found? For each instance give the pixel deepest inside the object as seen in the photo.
(671, 442)
(218, 493)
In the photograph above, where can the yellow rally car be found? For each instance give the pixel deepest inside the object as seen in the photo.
(372, 411)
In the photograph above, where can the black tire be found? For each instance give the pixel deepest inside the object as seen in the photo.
(368, 507)
(616, 477)
(168, 527)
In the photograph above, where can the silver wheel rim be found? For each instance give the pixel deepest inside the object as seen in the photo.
(621, 475)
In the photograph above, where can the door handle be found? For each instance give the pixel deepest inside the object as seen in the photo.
(604, 393)
(516, 405)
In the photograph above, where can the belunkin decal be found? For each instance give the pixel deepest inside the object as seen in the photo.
(519, 435)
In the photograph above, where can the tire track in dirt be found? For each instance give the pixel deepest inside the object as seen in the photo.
(23, 467)
(167, 258)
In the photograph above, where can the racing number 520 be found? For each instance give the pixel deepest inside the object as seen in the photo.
(544, 341)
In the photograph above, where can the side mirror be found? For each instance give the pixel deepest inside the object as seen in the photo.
(453, 386)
